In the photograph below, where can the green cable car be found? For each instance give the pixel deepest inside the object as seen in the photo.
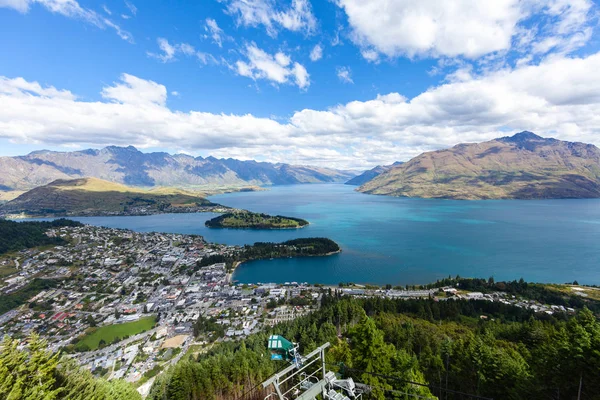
(282, 349)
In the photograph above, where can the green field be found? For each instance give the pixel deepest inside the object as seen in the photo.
(109, 333)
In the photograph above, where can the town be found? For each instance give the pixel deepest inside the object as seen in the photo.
(126, 304)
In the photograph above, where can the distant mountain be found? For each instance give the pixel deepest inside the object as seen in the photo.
(92, 196)
(370, 174)
(129, 166)
(523, 166)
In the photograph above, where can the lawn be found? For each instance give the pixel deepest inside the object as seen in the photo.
(109, 333)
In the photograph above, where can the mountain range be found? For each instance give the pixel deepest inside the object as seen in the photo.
(371, 174)
(523, 166)
(129, 166)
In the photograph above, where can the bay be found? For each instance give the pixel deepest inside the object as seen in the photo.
(405, 241)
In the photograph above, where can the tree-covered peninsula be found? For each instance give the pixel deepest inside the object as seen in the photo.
(303, 247)
(249, 220)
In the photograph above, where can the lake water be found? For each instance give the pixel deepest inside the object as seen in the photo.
(406, 241)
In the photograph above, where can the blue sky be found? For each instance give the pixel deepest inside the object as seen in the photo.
(246, 79)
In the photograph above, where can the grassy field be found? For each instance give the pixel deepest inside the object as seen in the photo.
(109, 333)
(585, 292)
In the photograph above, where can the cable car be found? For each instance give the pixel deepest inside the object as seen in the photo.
(282, 349)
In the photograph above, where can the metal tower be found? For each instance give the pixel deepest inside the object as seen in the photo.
(306, 377)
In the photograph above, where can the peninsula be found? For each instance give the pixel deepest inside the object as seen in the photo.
(249, 220)
(97, 197)
(302, 247)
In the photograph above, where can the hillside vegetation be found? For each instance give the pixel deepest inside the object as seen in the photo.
(250, 220)
(412, 349)
(524, 166)
(16, 236)
(35, 373)
(21, 296)
(89, 196)
(303, 247)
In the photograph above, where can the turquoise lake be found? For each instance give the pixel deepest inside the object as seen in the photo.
(406, 241)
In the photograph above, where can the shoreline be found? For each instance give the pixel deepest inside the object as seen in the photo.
(217, 210)
(236, 264)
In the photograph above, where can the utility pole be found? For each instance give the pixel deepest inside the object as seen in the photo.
(580, 383)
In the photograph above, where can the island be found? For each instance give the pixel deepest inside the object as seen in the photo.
(250, 220)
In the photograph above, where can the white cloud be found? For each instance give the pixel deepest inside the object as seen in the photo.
(316, 53)
(344, 74)
(122, 34)
(276, 68)
(131, 7)
(559, 97)
(466, 28)
(215, 32)
(69, 9)
(133, 90)
(298, 17)
(19, 86)
(370, 55)
(301, 76)
(19, 5)
(169, 52)
(283, 59)
(106, 9)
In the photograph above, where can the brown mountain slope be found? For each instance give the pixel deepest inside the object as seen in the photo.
(524, 166)
(92, 196)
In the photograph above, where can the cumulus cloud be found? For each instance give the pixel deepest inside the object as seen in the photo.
(559, 97)
(316, 53)
(344, 74)
(136, 91)
(21, 87)
(69, 9)
(277, 68)
(298, 17)
(169, 51)
(465, 28)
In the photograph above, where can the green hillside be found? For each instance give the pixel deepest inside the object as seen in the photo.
(16, 236)
(419, 348)
(33, 372)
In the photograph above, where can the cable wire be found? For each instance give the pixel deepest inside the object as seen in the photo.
(260, 383)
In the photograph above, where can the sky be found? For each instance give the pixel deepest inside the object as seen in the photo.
(346, 84)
